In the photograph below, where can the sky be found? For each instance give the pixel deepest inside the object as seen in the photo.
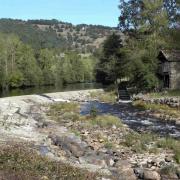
(103, 12)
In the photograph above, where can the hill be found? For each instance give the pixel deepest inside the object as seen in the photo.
(56, 34)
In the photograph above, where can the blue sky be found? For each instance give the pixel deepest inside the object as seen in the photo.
(104, 12)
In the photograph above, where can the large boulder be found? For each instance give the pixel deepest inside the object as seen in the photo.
(69, 143)
(151, 175)
(124, 170)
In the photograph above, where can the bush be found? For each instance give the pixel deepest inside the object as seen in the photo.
(93, 112)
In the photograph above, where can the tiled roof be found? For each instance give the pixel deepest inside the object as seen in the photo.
(171, 55)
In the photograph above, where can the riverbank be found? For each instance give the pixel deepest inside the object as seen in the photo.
(53, 126)
(165, 108)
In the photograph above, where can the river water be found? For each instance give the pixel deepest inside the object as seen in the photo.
(129, 116)
(49, 89)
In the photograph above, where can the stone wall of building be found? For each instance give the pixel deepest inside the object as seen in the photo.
(175, 75)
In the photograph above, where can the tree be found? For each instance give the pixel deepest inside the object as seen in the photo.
(46, 61)
(148, 24)
(109, 66)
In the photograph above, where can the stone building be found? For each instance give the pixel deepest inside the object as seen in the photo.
(169, 68)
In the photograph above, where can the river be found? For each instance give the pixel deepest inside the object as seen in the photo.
(129, 116)
(49, 89)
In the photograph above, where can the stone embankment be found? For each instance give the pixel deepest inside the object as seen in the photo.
(173, 102)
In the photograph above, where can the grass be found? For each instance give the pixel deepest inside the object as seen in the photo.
(105, 121)
(140, 143)
(76, 132)
(170, 93)
(169, 169)
(70, 112)
(64, 111)
(170, 143)
(108, 145)
(107, 97)
(21, 163)
(173, 112)
(64, 107)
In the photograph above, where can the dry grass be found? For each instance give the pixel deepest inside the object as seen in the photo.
(105, 121)
(152, 143)
(64, 111)
(19, 163)
(164, 109)
(107, 97)
(170, 93)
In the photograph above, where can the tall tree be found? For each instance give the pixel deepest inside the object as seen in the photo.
(109, 69)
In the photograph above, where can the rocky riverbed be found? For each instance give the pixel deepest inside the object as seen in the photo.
(97, 142)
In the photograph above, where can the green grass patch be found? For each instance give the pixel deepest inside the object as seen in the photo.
(27, 164)
(140, 142)
(76, 132)
(169, 169)
(64, 107)
(106, 121)
(152, 143)
(108, 145)
(64, 111)
(107, 97)
(170, 143)
(170, 93)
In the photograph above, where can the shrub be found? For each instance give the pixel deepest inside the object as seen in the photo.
(93, 112)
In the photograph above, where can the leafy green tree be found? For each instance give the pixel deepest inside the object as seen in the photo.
(46, 62)
(148, 24)
(109, 67)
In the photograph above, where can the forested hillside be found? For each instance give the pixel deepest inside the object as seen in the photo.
(55, 34)
(48, 52)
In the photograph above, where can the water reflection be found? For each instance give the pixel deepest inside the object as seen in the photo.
(49, 89)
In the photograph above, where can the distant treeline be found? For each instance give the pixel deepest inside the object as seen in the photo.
(23, 66)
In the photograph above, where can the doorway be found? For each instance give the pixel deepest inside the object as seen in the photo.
(166, 81)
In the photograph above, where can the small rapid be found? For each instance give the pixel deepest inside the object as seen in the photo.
(130, 116)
